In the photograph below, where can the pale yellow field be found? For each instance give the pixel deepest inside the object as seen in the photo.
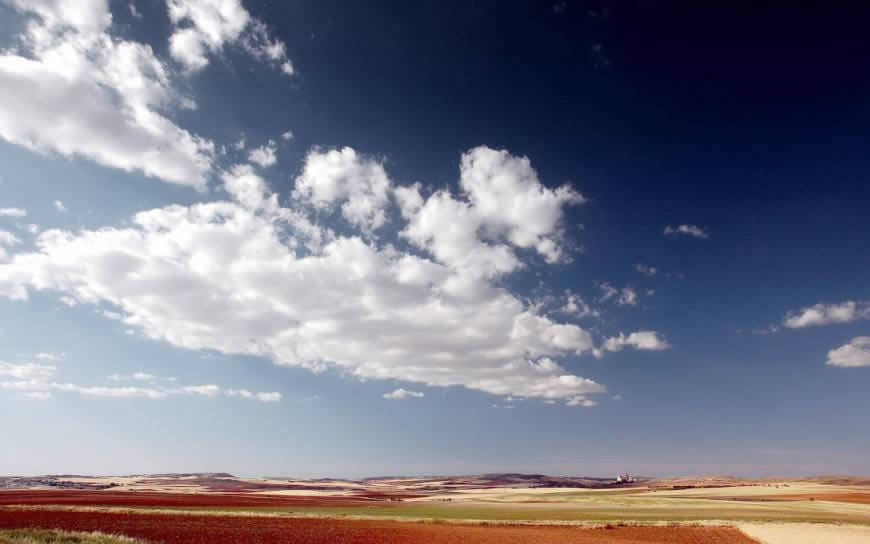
(806, 533)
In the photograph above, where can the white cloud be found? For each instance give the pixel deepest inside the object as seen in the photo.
(645, 269)
(688, 230)
(265, 155)
(640, 340)
(80, 92)
(245, 394)
(581, 401)
(827, 314)
(627, 296)
(240, 144)
(12, 212)
(250, 277)
(852, 355)
(37, 381)
(287, 135)
(8, 239)
(400, 393)
(575, 306)
(39, 395)
(360, 184)
(505, 206)
(210, 390)
(204, 27)
(26, 371)
(133, 11)
(59, 206)
(48, 356)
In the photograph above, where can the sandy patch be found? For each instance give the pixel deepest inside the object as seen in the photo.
(806, 533)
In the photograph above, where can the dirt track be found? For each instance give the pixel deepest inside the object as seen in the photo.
(220, 530)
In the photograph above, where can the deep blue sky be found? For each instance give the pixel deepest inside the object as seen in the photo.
(749, 123)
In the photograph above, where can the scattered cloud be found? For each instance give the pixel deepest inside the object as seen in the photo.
(59, 206)
(37, 381)
(827, 314)
(287, 135)
(581, 401)
(133, 11)
(240, 144)
(26, 371)
(203, 27)
(39, 395)
(403, 394)
(575, 306)
(852, 355)
(265, 155)
(49, 356)
(626, 296)
(113, 96)
(640, 340)
(11, 212)
(687, 230)
(645, 269)
(247, 276)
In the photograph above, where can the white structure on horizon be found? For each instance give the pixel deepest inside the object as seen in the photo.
(625, 479)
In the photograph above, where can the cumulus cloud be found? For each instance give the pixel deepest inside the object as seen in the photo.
(265, 155)
(342, 176)
(402, 394)
(59, 206)
(13, 212)
(640, 340)
(287, 135)
(626, 296)
(203, 27)
(76, 90)
(827, 314)
(37, 381)
(250, 277)
(852, 355)
(687, 230)
(503, 206)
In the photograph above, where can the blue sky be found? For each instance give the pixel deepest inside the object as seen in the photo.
(320, 239)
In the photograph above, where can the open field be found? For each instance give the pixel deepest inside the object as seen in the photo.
(456, 509)
(197, 528)
(41, 536)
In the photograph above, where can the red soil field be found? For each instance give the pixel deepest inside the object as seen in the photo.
(144, 498)
(254, 530)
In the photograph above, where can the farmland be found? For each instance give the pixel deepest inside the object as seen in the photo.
(446, 511)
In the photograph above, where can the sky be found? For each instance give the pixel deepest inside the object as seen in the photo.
(332, 239)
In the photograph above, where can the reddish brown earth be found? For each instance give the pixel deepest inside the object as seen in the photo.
(253, 530)
(144, 498)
